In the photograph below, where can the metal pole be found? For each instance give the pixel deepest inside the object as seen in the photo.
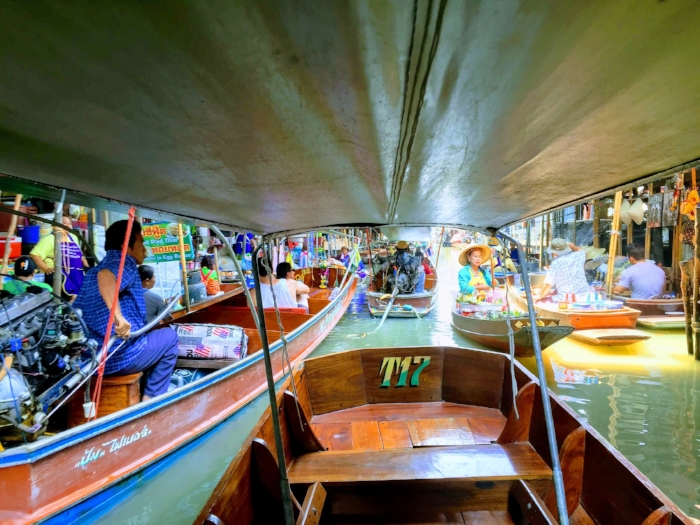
(224, 240)
(284, 481)
(10, 233)
(559, 489)
(184, 267)
(58, 252)
(647, 233)
(614, 236)
(528, 240)
(541, 241)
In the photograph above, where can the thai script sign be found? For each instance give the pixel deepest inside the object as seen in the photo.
(163, 244)
(110, 447)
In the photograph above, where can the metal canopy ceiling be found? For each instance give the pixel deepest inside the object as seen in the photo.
(273, 115)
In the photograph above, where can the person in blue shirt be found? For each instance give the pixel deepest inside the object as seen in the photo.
(154, 353)
(472, 277)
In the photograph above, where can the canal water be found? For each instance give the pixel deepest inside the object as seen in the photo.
(644, 399)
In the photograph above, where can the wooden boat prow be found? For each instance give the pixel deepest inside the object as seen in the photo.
(427, 435)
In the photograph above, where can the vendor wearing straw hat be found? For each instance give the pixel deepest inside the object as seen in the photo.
(566, 273)
(472, 277)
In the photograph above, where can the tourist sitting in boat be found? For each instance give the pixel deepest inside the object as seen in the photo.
(473, 278)
(514, 256)
(404, 271)
(643, 278)
(154, 302)
(425, 262)
(154, 353)
(297, 289)
(25, 269)
(566, 273)
(283, 297)
(345, 256)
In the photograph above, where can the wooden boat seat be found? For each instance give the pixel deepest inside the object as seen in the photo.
(118, 392)
(474, 463)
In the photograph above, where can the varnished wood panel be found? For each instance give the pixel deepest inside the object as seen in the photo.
(517, 429)
(312, 507)
(571, 456)
(429, 377)
(365, 435)
(405, 411)
(487, 517)
(473, 378)
(529, 504)
(303, 438)
(335, 382)
(334, 436)
(440, 432)
(661, 516)
(395, 434)
(486, 429)
(475, 462)
(316, 305)
(580, 517)
(118, 392)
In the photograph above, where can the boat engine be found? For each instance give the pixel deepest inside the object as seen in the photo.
(45, 350)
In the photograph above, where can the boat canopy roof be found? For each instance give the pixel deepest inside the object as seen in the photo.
(281, 114)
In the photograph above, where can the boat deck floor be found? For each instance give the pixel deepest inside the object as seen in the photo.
(403, 425)
(477, 517)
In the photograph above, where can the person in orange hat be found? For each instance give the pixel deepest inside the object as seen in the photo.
(472, 277)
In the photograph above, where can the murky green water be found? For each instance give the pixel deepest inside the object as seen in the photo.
(644, 399)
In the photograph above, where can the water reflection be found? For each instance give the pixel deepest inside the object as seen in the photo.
(643, 399)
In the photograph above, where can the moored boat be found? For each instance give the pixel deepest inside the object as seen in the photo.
(360, 446)
(494, 333)
(657, 314)
(95, 455)
(594, 322)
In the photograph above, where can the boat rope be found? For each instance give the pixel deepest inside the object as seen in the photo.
(112, 311)
(285, 353)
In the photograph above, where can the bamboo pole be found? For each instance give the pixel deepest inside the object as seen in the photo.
(183, 264)
(614, 237)
(596, 224)
(647, 233)
(437, 260)
(687, 274)
(677, 248)
(10, 233)
(696, 285)
(541, 240)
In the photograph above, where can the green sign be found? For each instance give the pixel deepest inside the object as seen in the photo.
(162, 242)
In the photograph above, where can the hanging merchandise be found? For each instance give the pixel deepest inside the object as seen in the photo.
(688, 233)
(692, 199)
(636, 211)
(625, 216)
(656, 203)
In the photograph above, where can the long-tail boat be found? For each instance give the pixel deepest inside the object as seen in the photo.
(93, 456)
(404, 305)
(596, 327)
(428, 435)
(495, 333)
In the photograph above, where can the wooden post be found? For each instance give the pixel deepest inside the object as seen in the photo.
(647, 233)
(10, 233)
(105, 218)
(596, 224)
(687, 274)
(528, 238)
(696, 284)
(574, 233)
(677, 247)
(183, 264)
(614, 238)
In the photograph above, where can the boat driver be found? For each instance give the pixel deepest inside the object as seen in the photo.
(644, 278)
(566, 273)
(403, 263)
(153, 353)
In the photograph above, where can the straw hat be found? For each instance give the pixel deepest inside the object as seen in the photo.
(485, 254)
(593, 253)
(558, 247)
(402, 245)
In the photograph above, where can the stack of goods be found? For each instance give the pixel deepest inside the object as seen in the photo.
(210, 341)
(485, 305)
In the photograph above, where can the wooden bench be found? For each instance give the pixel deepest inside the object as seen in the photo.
(434, 479)
(118, 392)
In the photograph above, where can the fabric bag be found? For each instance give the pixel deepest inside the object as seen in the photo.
(211, 341)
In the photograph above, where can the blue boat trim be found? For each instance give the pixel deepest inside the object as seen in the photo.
(33, 452)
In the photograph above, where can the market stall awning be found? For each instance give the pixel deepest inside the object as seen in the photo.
(272, 115)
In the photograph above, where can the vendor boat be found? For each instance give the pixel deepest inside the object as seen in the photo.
(662, 314)
(597, 327)
(494, 333)
(91, 457)
(403, 305)
(361, 446)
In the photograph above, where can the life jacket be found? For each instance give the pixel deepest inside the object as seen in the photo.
(211, 284)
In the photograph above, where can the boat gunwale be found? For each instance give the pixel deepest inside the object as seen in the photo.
(32, 452)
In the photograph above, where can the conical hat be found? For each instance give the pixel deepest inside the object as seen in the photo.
(625, 216)
(636, 211)
(592, 253)
(485, 254)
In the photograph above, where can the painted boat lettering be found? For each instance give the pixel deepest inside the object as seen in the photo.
(399, 366)
(112, 446)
